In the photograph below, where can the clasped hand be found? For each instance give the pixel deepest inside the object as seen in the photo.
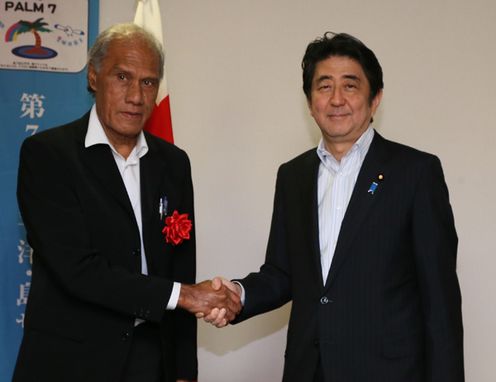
(217, 301)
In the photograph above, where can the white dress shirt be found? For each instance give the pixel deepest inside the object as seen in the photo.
(336, 181)
(130, 172)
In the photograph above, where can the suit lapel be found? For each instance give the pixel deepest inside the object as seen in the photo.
(100, 163)
(154, 183)
(360, 203)
(151, 172)
(308, 180)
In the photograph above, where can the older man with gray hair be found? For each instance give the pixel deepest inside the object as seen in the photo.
(108, 210)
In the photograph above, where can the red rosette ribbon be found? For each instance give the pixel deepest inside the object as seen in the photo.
(177, 228)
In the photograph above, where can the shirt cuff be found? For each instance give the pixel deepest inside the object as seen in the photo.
(242, 297)
(174, 297)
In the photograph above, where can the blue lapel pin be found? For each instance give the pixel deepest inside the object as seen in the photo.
(372, 188)
(374, 185)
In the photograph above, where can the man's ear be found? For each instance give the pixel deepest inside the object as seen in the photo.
(92, 77)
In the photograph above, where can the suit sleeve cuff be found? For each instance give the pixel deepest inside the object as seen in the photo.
(174, 297)
(242, 297)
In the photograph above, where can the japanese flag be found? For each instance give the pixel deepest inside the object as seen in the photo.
(160, 122)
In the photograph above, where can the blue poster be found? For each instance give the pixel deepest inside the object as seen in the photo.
(43, 47)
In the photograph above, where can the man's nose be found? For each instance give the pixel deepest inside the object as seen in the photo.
(134, 93)
(337, 98)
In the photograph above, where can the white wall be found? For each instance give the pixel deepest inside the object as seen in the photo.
(238, 109)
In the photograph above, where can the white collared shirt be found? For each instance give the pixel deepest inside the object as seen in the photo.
(130, 172)
(336, 181)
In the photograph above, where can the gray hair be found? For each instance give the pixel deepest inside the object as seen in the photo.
(123, 31)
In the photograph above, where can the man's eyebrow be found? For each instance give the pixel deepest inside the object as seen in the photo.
(118, 68)
(323, 77)
(352, 77)
(326, 77)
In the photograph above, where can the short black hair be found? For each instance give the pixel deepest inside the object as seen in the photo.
(345, 45)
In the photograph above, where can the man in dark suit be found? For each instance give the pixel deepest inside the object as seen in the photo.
(109, 211)
(362, 242)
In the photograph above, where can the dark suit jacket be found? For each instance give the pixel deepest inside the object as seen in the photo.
(87, 289)
(390, 309)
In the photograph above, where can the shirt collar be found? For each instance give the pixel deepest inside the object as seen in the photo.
(96, 135)
(362, 146)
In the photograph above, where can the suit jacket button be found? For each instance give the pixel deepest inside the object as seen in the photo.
(137, 252)
(324, 300)
(126, 336)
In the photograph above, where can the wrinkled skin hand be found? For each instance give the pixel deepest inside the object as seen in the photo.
(200, 299)
(219, 317)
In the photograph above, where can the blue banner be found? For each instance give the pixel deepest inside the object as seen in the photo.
(43, 46)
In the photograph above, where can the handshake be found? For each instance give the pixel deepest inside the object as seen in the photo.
(217, 301)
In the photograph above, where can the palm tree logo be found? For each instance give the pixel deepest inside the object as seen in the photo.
(30, 51)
